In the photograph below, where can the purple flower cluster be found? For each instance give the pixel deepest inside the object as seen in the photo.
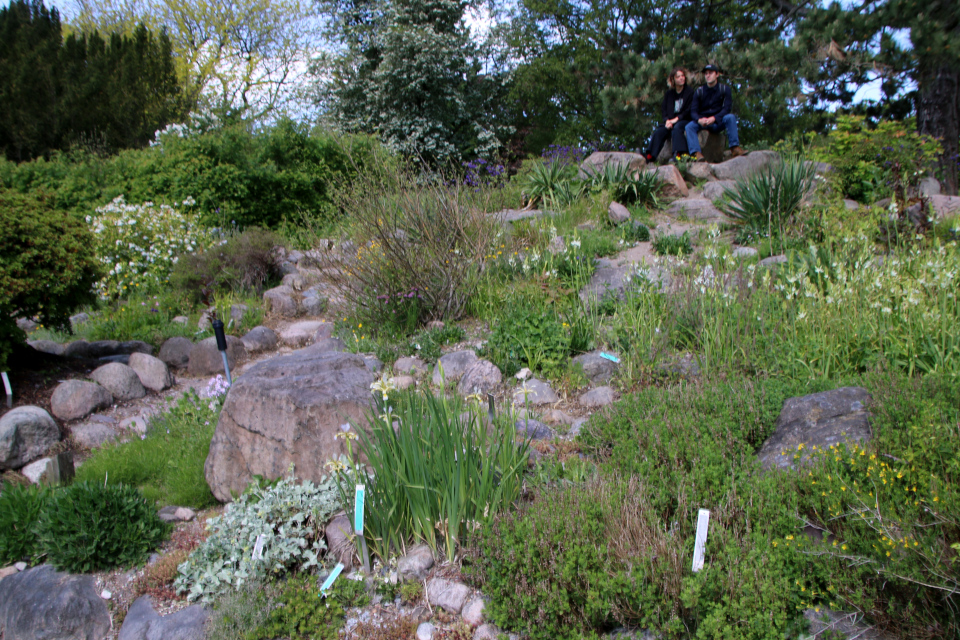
(483, 173)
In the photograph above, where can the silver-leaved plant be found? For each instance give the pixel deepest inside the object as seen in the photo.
(290, 516)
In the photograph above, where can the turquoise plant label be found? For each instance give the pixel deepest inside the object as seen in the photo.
(609, 357)
(358, 512)
(330, 578)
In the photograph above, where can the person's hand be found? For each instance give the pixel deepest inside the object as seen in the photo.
(669, 123)
(710, 120)
(703, 122)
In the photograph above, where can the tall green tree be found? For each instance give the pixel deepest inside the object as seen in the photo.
(409, 73)
(29, 55)
(114, 92)
(860, 41)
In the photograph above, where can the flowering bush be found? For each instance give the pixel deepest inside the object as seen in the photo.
(140, 243)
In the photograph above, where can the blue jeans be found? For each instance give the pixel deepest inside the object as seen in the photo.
(729, 123)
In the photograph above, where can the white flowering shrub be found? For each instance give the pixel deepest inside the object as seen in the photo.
(289, 516)
(138, 244)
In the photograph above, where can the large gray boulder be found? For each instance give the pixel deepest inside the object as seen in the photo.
(447, 594)
(535, 393)
(482, 377)
(25, 435)
(120, 380)
(287, 410)
(596, 368)
(47, 346)
(93, 435)
(453, 366)
(745, 166)
(205, 359)
(610, 279)
(712, 146)
(260, 339)
(302, 333)
(153, 372)
(701, 210)
(142, 622)
(175, 352)
(77, 398)
(820, 419)
(44, 604)
(595, 163)
(715, 190)
(282, 301)
(671, 181)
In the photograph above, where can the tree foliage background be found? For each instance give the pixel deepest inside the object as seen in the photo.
(107, 92)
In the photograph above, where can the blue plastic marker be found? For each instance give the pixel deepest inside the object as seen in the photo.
(358, 512)
(609, 357)
(330, 578)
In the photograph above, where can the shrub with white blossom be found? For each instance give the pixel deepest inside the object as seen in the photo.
(138, 244)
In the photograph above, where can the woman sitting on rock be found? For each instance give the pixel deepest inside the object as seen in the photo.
(676, 115)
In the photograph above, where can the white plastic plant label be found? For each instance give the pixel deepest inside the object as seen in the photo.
(330, 578)
(699, 547)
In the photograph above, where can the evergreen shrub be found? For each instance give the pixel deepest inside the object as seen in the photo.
(20, 508)
(90, 527)
(244, 263)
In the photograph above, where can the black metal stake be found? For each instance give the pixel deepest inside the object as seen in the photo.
(222, 346)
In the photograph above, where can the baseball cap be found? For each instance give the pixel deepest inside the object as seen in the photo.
(712, 67)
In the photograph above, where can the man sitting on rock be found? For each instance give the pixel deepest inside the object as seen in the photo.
(710, 110)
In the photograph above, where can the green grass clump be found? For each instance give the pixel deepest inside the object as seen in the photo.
(20, 508)
(91, 527)
(167, 464)
(665, 245)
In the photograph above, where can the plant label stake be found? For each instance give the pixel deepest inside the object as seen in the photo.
(611, 358)
(222, 346)
(330, 578)
(358, 527)
(491, 410)
(258, 547)
(703, 522)
(7, 389)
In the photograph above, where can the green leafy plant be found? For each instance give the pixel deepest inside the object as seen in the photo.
(20, 509)
(552, 183)
(672, 245)
(411, 592)
(301, 613)
(528, 337)
(627, 185)
(90, 527)
(167, 463)
(437, 471)
(767, 201)
(635, 232)
(291, 518)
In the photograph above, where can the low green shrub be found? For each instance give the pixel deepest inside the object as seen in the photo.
(672, 245)
(238, 613)
(91, 527)
(244, 263)
(302, 614)
(291, 518)
(552, 183)
(635, 232)
(437, 470)
(628, 186)
(20, 508)
(167, 462)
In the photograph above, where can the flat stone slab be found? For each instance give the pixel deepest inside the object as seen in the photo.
(599, 397)
(299, 334)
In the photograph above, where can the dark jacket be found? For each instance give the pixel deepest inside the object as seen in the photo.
(716, 101)
(668, 108)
